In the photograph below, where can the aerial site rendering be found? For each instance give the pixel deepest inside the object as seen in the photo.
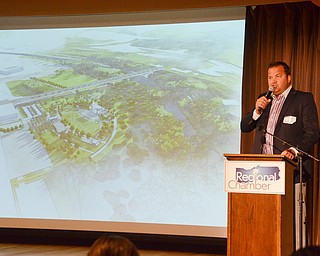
(124, 123)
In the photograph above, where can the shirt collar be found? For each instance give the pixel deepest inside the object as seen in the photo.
(286, 92)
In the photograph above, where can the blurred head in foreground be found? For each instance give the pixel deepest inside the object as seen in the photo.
(113, 246)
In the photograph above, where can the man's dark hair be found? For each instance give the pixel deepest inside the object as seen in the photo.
(285, 66)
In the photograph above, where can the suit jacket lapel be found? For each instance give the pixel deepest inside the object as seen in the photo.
(285, 106)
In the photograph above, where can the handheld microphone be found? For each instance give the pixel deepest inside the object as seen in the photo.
(268, 95)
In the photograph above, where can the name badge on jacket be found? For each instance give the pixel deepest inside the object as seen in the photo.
(289, 119)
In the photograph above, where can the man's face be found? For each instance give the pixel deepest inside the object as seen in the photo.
(278, 79)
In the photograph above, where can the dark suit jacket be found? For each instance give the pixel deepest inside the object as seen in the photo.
(302, 133)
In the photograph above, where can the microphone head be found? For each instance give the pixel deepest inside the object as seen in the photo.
(271, 89)
(269, 94)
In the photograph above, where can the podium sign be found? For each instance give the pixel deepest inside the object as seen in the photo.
(261, 177)
(260, 214)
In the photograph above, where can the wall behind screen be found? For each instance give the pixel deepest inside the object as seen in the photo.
(61, 7)
(119, 128)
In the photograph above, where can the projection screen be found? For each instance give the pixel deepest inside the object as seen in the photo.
(119, 122)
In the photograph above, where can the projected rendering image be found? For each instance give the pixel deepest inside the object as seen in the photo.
(126, 123)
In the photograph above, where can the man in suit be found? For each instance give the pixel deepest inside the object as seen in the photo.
(289, 115)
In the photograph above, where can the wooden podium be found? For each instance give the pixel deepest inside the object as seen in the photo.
(262, 224)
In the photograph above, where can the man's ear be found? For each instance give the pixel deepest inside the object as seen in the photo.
(289, 79)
